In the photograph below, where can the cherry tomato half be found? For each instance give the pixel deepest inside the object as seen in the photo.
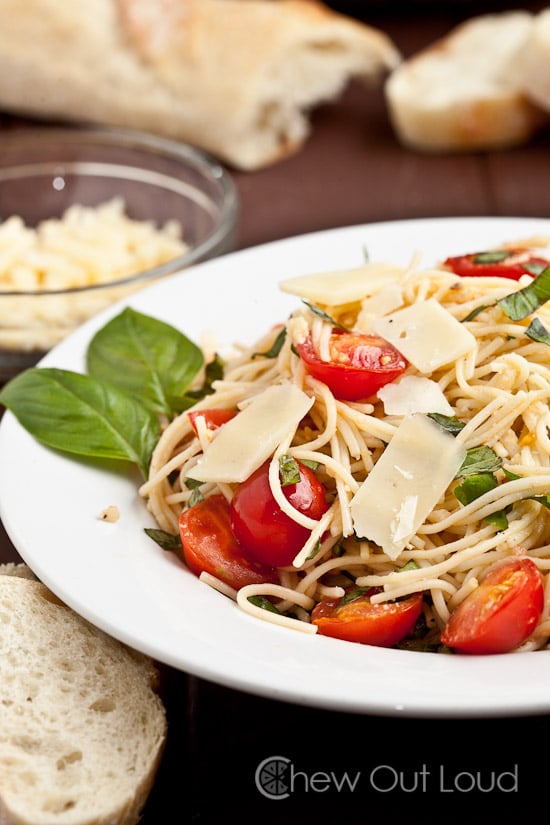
(501, 613)
(356, 619)
(499, 263)
(260, 525)
(359, 366)
(213, 418)
(209, 545)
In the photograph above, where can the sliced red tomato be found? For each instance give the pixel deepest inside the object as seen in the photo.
(259, 524)
(359, 364)
(354, 618)
(501, 613)
(209, 545)
(213, 418)
(498, 263)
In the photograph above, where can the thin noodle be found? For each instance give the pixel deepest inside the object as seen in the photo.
(499, 391)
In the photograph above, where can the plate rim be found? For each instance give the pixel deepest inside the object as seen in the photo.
(506, 704)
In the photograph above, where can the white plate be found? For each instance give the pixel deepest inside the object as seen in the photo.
(120, 580)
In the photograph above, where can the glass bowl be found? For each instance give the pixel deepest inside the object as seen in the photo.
(162, 184)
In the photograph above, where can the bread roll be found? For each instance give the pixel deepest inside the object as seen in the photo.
(533, 66)
(82, 728)
(236, 78)
(462, 92)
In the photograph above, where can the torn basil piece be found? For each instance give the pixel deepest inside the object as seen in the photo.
(448, 422)
(324, 316)
(289, 470)
(264, 604)
(167, 541)
(274, 349)
(538, 332)
(519, 305)
(492, 256)
(475, 486)
(475, 312)
(479, 460)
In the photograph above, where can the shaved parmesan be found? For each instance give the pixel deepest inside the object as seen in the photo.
(426, 334)
(405, 484)
(344, 287)
(389, 298)
(246, 441)
(414, 394)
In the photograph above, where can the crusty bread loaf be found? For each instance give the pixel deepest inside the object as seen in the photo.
(533, 64)
(82, 727)
(237, 78)
(462, 92)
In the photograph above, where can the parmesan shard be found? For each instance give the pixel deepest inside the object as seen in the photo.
(414, 394)
(387, 300)
(426, 334)
(345, 286)
(246, 441)
(406, 483)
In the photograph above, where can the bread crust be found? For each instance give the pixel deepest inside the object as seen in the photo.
(237, 78)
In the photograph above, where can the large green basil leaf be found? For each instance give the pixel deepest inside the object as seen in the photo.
(146, 358)
(78, 414)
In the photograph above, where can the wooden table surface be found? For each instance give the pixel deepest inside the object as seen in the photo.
(352, 171)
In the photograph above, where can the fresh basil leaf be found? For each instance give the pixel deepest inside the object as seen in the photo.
(289, 470)
(275, 348)
(538, 332)
(146, 358)
(492, 256)
(352, 595)
(192, 483)
(499, 519)
(475, 312)
(324, 316)
(315, 550)
(265, 604)
(168, 541)
(519, 305)
(410, 565)
(479, 460)
(475, 486)
(544, 500)
(196, 496)
(77, 414)
(448, 422)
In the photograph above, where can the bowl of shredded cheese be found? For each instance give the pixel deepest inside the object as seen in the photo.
(88, 216)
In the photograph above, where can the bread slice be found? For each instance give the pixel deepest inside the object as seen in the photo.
(82, 727)
(462, 92)
(533, 65)
(14, 568)
(237, 78)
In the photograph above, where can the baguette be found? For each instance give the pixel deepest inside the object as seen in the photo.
(533, 65)
(462, 93)
(237, 78)
(82, 728)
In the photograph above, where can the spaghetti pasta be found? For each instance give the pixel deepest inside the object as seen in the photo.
(499, 392)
